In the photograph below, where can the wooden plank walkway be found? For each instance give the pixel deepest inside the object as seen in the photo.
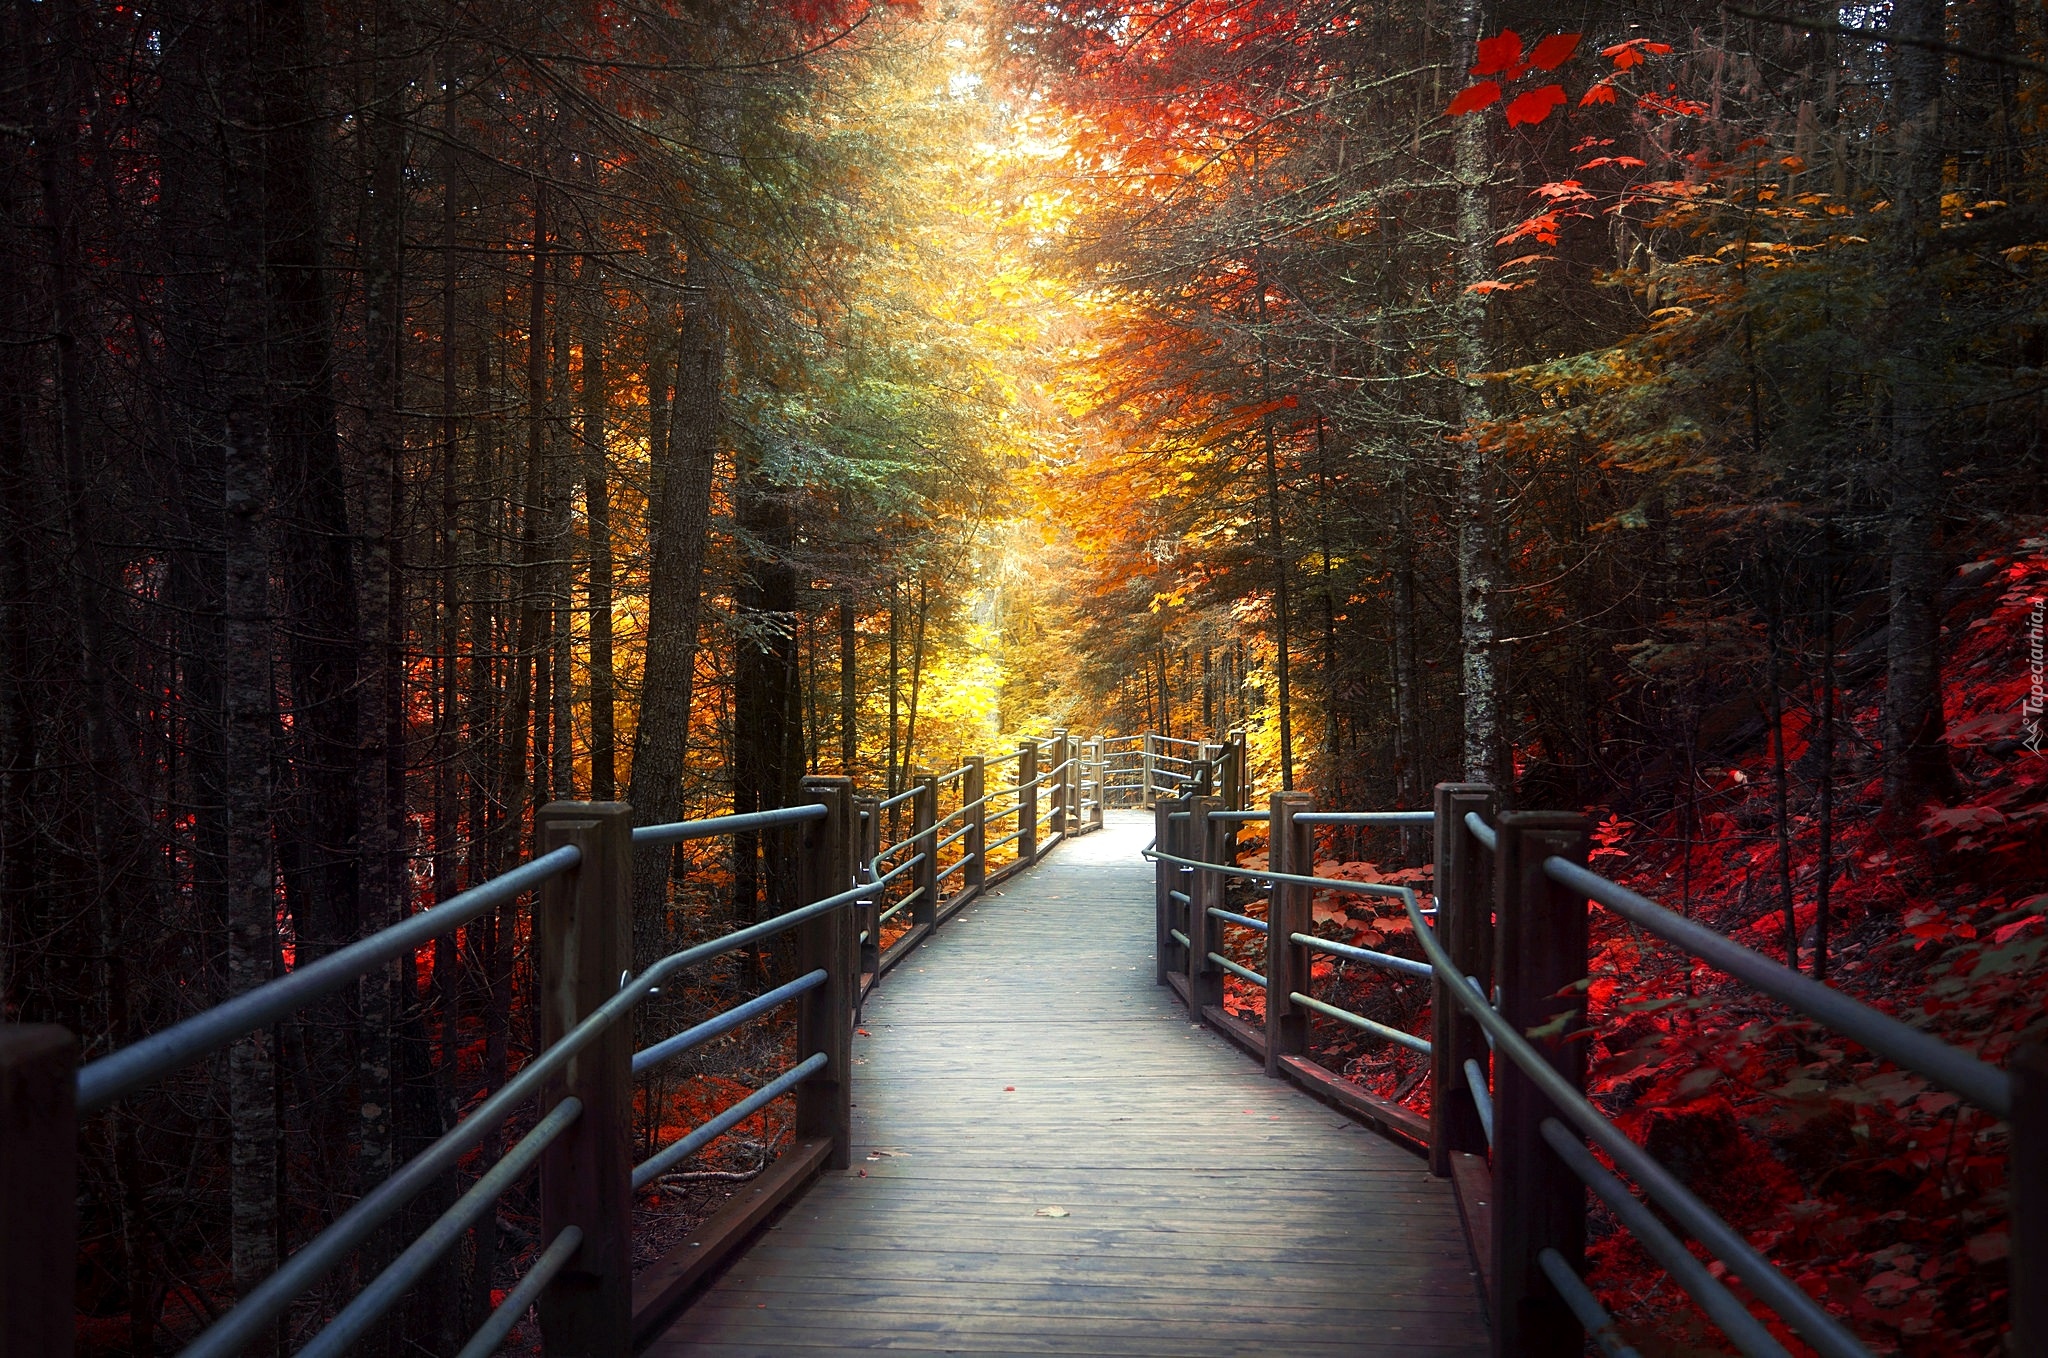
(1057, 1162)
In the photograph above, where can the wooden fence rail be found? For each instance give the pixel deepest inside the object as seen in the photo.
(1509, 1124)
(581, 1074)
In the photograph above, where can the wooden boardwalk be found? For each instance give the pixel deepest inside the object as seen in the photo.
(1049, 1159)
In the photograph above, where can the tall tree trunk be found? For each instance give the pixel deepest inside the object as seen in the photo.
(679, 522)
(916, 676)
(764, 773)
(849, 685)
(248, 690)
(380, 802)
(1916, 756)
(1478, 530)
(597, 525)
(563, 464)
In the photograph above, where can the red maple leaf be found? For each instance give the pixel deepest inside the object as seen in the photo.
(1473, 98)
(1554, 51)
(1501, 55)
(1602, 93)
(1634, 52)
(1533, 106)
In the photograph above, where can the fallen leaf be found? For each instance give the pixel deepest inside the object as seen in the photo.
(1009, 1089)
(1051, 1212)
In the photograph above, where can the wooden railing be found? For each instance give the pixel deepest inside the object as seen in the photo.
(1506, 957)
(580, 1079)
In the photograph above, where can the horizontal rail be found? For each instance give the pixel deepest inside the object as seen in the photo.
(236, 1329)
(1923, 1053)
(339, 1335)
(1800, 1311)
(1180, 938)
(1246, 920)
(710, 826)
(1482, 1097)
(957, 865)
(1266, 876)
(1366, 818)
(1481, 831)
(1243, 815)
(658, 1164)
(1593, 1317)
(1360, 1022)
(670, 1047)
(955, 837)
(956, 774)
(908, 794)
(1386, 961)
(1180, 896)
(155, 1056)
(1220, 960)
(1686, 1270)
(1006, 839)
(509, 1312)
(952, 816)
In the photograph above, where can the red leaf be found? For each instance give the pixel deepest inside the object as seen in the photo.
(1473, 98)
(1533, 106)
(1602, 93)
(1554, 51)
(1634, 52)
(1501, 55)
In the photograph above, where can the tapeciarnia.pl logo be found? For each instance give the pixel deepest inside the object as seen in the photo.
(2037, 698)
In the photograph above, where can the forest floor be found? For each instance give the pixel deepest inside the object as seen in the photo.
(1873, 1190)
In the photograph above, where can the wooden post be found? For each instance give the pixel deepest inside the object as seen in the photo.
(1076, 812)
(1098, 762)
(824, 1016)
(1027, 801)
(1145, 770)
(974, 785)
(583, 932)
(1464, 925)
(1538, 1203)
(38, 1189)
(1205, 935)
(1162, 904)
(924, 816)
(1287, 914)
(1060, 770)
(868, 842)
(2027, 1191)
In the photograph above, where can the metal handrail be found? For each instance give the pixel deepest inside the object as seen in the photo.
(509, 1312)
(1361, 1022)
(1246, 920)
(907, 794)
(1006, 839)
(151, 1058)
(1802, 1312)
(1386, 961)
(1482, 832)
(668, 1048)
(647, 1171)
(388, 1287)
(946, 778)
(712, 826)
(955, 836)
(1923, 1053)
(1220, 960)
(1366, 818)
(951, 816)
(234, 1330)
(1235, 816)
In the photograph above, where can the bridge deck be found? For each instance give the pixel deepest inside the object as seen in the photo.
(1023, 1060)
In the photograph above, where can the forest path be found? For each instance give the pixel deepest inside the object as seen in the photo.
(1049, 1159)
